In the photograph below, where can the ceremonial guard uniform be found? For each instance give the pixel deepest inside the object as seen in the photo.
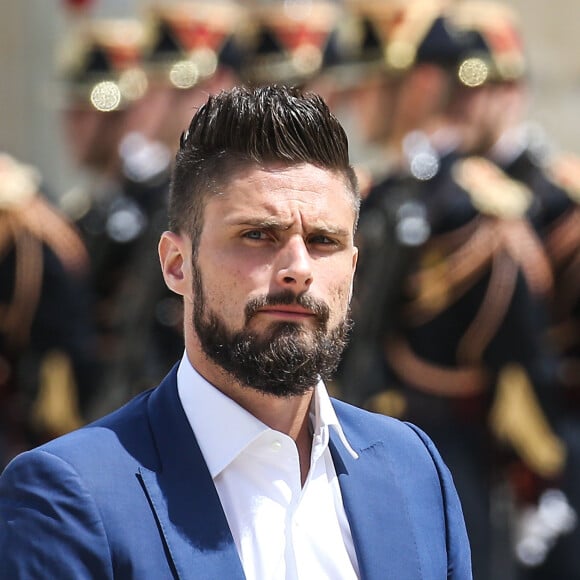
(461, 342)
(547, 547)
(122, 209)
(562, 236)
(448, 307)
(197, 48)
(161, 69)
(555, 215)
(48, 371)
(562, 239)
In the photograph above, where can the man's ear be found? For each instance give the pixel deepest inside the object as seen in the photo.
(354, 262)
(174, 255)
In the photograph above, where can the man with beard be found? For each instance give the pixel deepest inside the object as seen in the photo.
(239, 464)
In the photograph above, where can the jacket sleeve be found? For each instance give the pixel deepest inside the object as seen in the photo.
(50, 526)
(458, 548)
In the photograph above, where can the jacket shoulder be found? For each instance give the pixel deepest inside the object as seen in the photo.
(121, 436)
(361, 425)
(64, 504)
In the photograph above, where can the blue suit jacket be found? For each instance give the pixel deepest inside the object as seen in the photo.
(130, 496)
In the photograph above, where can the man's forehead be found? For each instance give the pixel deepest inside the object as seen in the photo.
(319, 198)
(304, 183)
(292, 186)
(279, 171)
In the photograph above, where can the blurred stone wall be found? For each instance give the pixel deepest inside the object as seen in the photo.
(552, 35)
(28, 119)
(29, 95)
(31, 32)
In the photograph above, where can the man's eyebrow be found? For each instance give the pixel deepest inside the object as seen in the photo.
(273, 223)
(332, 231)
(265, 222)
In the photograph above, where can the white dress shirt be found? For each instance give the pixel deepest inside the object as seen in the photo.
(282, 530)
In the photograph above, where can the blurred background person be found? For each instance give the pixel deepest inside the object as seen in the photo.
(449, 301)
(48, 369)
(120, 207)
(319, 46)
(149, 74)
(494, 111)
(196, 49)
(288, 41)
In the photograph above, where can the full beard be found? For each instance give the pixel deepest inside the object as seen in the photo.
(287, 359)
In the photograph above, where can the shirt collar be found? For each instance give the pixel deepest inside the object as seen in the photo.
(323, 416)
(211, 414)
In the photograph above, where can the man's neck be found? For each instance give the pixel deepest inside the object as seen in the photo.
(289, 415)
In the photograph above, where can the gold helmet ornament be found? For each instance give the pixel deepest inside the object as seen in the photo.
(101, 63)
(191, 40)
(289, 40)
(493, 48)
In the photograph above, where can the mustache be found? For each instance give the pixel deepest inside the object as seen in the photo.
(317, 307)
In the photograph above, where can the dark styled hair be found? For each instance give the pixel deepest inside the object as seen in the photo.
(246, 126)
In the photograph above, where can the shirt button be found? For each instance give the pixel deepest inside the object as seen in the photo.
(276, 445)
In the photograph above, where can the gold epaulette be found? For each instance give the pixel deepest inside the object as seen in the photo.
(27, 223)
(55, 410)
(518, 419)
(564, 171)
(23, 209)
(491, 190)
(18, 182)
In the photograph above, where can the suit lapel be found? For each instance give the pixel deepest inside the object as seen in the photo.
(183, 496)
(376, 510)
(194, 527)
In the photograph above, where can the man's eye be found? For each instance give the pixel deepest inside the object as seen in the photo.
(255, 235)
(322, 240)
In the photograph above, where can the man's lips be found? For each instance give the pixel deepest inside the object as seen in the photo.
(286, 311)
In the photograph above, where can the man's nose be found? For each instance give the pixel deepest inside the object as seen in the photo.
(294, 265)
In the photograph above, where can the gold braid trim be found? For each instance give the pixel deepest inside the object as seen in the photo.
(522, 243)
(504, 245)
(564, 238)
(456, 238)
(563, 247)
(441, 285)
(517, 418)
(18, 315)
(26, 227)
(431, 378)
(48, 225)
(492, 310)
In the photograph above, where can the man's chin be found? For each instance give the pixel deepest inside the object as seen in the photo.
(284, 329)
(287, 392)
